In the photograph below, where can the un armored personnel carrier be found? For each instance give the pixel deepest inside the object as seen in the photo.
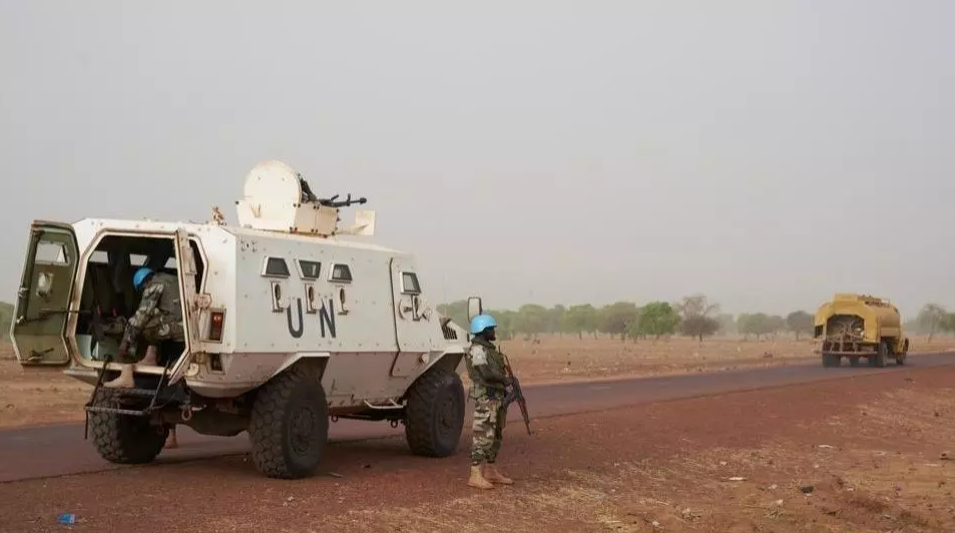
(857, 326)
(287, 325)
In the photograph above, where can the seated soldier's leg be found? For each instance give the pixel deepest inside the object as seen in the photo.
(150, 358)
(157, 331)
(125, 379)
(171, 441)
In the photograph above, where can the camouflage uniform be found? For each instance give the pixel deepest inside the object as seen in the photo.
(159, 316)
(489, 379)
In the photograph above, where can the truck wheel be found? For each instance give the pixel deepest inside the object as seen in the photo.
(831, 360)
(434, 415)
(899, 357)
(878, 360)
(289, 425)
(124, 439)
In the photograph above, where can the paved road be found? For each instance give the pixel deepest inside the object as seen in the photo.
(57, 450)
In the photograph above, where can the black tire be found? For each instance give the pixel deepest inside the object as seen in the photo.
(434, 414)
(124, 439)
(878, 360)
(831, 360)
(288, 428)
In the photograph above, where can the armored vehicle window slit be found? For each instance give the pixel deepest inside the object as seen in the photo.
(51, 253)
(341, 274)
(409, 283)
(309, 269)
(275, 267)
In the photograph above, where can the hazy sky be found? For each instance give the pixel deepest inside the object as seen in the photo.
(767, 153)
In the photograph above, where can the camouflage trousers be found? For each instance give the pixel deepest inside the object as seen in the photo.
(488, 426)
(161, 328)
(156, 330)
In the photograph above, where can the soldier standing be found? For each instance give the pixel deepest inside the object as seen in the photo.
(158, 318)
(489, 382)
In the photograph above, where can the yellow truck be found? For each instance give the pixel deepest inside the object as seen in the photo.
(857, 326)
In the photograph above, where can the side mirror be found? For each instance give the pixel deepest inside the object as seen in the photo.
(474, 307)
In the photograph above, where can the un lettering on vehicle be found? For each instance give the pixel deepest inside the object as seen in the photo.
(295, 318)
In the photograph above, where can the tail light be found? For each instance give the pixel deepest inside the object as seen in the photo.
(215, 325)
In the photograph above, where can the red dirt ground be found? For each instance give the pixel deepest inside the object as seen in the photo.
(869, 448)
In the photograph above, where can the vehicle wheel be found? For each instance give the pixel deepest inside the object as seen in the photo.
(124, 439)
(434, 415)
(898, 356)
(854, 360)
(831, 360)
(289, 425)
(878, 360)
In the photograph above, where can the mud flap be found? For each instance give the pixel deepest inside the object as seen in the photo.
(186, 264)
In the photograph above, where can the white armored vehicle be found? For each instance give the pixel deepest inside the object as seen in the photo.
(286, 326)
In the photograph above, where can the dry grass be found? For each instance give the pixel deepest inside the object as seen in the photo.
(837, 485)
(48, 396)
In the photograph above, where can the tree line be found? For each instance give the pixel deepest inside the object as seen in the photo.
(692, 316)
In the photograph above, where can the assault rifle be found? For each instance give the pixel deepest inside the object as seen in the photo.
(516, 394)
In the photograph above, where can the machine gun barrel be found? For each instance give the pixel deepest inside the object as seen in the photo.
(330, 202)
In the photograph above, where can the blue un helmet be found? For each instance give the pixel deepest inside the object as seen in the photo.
(482, 322)
(140, 276)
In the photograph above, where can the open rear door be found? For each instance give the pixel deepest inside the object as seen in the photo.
(43, 300)
(186, 266)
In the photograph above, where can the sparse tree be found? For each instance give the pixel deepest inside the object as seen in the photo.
(696, 312)
(555, 319)
(700, 326)
(580, 318)
(948, 323)
(616, 318)
(799, 322)
(758, 324)
(775, 324)
(657, 318)
(532, 320)
(506, 323)
(696, 305)
(930, 318)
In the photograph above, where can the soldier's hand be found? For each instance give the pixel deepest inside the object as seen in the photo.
(123, 348)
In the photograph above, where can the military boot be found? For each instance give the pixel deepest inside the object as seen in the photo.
(150, 357)
(491, 474)
(477, 479)
(125, 379)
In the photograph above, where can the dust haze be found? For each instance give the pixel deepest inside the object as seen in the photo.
(766, 154)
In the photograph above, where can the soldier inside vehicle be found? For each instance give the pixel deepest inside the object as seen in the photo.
(111, 297)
